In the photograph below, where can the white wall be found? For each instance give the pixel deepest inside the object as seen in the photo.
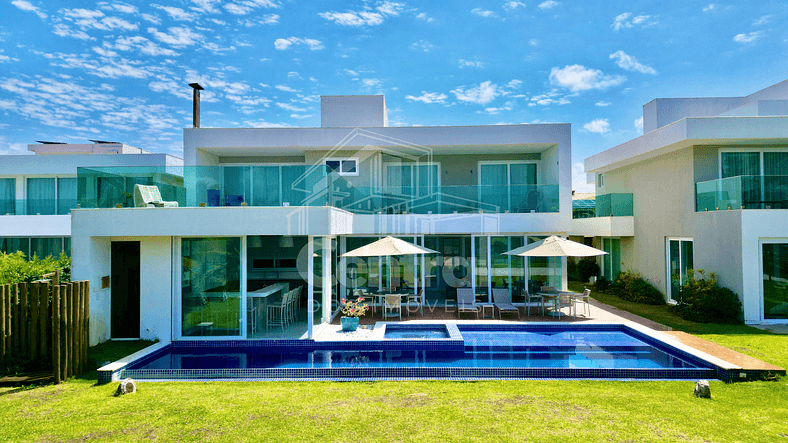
(755, 226)
(155, 287)
(90, 261)
(353, 111)
(67, 164)
(35, 225)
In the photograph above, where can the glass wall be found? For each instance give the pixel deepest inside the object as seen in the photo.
(210, 287)
(507, 271)
(42, 247)
(543, 271)
(775, 280)
(482, 271)
(447, 270)
(7, 196)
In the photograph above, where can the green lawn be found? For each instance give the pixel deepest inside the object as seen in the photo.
(437, 411)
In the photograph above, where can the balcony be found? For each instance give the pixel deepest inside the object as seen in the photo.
(303, 185)
(742, 192)
(606, 205)
(609, 215)
(62, 206)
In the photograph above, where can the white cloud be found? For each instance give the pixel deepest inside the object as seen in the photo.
(427, 97)
(514, 84)
(123, 7)
(264, 124)
(64, 31)
(763, 20)
(285, 43)
(495, 111)
(549, 4)
(598, 126)
(285, 88)
(293, 74)
(423, 16)
(710, 7)
(151, 18)
(577, 78)
(533, 42)
(482, 94)
(86, 19)
(299, 116)
(513, 5)
(476, 64)
(549, 98)
(483, 12)
(289, 107)
(580, 179)
(27, 6)
(626, 20)
(639, 124)
(207, 6)
(246, 6)
(603, 104)
(422, 45)
(365, 18)
(630, 63)
(177, 36)
(142, 44)
(748, 38)
(177, 13)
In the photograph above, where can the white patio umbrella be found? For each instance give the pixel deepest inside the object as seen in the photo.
(388, 246)
(555, 246)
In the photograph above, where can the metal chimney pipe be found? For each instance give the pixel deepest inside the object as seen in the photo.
(196, 103)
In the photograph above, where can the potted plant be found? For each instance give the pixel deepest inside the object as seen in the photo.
(352, 310)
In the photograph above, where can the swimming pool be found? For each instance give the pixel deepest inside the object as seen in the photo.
(472, 352)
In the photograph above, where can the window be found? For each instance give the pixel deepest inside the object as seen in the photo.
(611, 262)
(509, 186)
(348, 166)
(50, 196)
(7, 196)
(774, 268)
(600, 180)
(679, 252)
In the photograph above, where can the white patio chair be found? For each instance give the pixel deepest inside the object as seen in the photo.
(150, 197)
(584, 298)
(529, 298)
(392, 303)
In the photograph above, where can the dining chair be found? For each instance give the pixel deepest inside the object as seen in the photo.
(529, 298)
(277, 312)
(584, 298)
(392, 303)
(566, 300)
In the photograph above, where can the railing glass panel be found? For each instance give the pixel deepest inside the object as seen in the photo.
(742, 192)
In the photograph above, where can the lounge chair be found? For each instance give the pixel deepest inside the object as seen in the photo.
(150, 197)
(466, 301)
(503, 301)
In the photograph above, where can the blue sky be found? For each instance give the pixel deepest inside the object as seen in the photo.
(77, 70)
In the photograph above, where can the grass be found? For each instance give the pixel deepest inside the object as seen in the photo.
(423, 411)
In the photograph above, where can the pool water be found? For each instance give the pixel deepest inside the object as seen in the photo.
(485, 350)
(416, 332)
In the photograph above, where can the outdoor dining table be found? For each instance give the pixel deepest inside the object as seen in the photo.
(553, 297)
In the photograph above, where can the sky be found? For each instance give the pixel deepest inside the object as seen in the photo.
(77, 70)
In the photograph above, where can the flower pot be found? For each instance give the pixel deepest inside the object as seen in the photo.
(349, 323)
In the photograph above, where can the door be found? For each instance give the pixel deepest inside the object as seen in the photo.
(125, 290)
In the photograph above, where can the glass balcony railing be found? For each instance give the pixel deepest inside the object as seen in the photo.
(62, 206)
(606, 205)
(742, 192)
(302, 185)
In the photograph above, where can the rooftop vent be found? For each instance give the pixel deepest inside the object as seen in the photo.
(196, 103)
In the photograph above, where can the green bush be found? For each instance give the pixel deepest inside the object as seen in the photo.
(602, 284)
(702, 300)
(633, 287)
(587, 268)
(15, 268)
(571, 269)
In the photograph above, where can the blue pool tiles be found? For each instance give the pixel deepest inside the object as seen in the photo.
(491, 336)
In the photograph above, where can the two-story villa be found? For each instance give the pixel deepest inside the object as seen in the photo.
(37, 192)
(705, 187)
(263, 211)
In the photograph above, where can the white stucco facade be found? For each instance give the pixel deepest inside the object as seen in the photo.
(683, 146)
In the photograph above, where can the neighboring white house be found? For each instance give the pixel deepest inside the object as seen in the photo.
(264, 211)
(705, 187)
(37, 192)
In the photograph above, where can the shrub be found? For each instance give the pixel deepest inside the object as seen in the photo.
(571, 269)
(602, 284)
(633, 287)
(14, 268)
(587, 268)
(702, 300)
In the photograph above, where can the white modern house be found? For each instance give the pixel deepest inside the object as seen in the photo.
(263, 212)
(705, 187)
(37, 192)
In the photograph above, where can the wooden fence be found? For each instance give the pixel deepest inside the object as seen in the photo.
(46, 321)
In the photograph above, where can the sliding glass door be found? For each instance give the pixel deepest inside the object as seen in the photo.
(774, 260)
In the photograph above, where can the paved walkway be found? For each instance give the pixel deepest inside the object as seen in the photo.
(777, 329)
